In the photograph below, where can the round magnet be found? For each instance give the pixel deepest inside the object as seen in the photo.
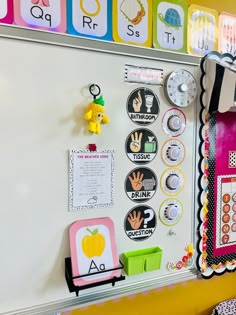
(174, 122)
(141, 184)
(143, 106)
(226, 218)
(234, 207)
(225, 228)
(226, 208)
(233, 227)
(225, 238)
(141, 146)
(171, 211)
(234, 197)
(234, 217)
(226, 198)
(173, 152)
(172, 181)
(140, 223)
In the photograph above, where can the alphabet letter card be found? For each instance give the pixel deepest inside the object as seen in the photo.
(93, 250)
(202, 30)
(132, 22)
(42, 14)
(170, 25)
(6, 11)
(90, 18)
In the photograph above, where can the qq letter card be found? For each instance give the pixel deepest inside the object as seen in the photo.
(42, 14)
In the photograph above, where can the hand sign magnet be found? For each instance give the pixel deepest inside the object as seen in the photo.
(141, 184)
(143, 106)
(141, 146)
(140, 223)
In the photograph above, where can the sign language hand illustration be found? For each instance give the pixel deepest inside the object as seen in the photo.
(135, 145)
(135, 220)
(137, 103)
(136, 181)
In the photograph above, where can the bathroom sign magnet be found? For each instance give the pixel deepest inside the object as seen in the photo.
(143, 106)
(141, 184)
(140, 223)
(141, 146)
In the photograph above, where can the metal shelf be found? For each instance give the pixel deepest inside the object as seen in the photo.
(66, 40)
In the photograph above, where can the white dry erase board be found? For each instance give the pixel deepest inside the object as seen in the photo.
(44, 81)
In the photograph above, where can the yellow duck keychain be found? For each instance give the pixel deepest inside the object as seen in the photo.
(95, 112)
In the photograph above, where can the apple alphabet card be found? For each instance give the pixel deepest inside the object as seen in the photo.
(93, 251)
(132, 22)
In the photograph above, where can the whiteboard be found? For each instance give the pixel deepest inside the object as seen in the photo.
(42, 99)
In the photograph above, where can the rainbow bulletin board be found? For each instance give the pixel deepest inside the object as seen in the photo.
(149, 23)
(217, 228)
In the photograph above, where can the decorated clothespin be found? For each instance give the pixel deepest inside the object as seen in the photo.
(95, 112)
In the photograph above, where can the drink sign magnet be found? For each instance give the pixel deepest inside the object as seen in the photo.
(141, 146)
(141, 184)
(143, 106)
(6, 11)
(140, 223)
(43, 14)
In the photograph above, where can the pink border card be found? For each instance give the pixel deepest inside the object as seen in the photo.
(41, 14)
(93, 249)
(6, 11)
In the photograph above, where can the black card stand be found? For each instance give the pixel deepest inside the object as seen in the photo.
(76, 289)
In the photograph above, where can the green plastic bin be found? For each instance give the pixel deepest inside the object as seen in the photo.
(142, 260)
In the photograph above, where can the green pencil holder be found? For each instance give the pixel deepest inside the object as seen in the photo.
(142, 260)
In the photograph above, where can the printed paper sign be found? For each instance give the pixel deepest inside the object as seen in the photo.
(170, 25)
(227, 31)
(91, 179)
(90, 18)
(132, 22)
(141, 146)
(140, 223)
(44, 14)
(202, 30)
(6, 11)
(135, 74)
(93, 250)
(143, 106)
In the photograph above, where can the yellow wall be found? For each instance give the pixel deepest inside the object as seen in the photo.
(219, 5)
(196, 297)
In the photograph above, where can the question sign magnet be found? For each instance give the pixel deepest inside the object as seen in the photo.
(140, 223)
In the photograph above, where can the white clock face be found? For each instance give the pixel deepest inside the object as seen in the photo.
(181, 88)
